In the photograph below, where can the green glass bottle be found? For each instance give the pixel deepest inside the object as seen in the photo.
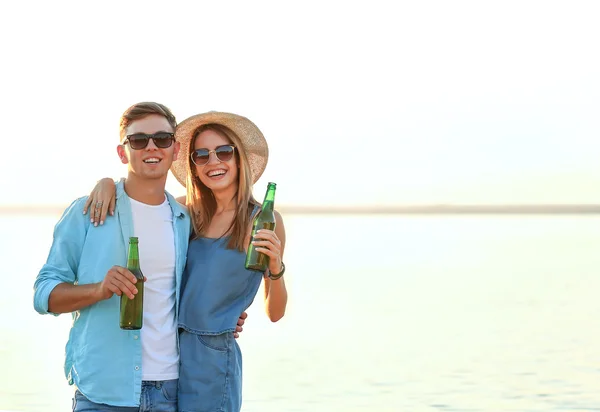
(265, 219)
(132, 310)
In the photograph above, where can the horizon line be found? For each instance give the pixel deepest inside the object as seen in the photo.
(498, 208)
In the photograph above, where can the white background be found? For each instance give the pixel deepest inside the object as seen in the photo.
(362, 102)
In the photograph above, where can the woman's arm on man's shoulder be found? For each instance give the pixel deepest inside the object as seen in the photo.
(101, 201)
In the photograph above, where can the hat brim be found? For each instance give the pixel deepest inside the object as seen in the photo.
(255, 144)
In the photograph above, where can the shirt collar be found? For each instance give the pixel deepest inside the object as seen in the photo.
(178, 209)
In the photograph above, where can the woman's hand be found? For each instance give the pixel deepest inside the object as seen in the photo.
(101, 200)
(270, 245)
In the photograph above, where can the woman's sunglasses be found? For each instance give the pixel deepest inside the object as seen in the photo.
(224, 153)
(139, 141)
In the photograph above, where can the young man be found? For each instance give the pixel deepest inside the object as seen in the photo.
(85, 274)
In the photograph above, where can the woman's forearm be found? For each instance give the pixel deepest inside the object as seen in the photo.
(275, 298)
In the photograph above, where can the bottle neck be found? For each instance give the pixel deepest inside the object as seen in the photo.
(133, 259)
(268, 205)
(269, 201)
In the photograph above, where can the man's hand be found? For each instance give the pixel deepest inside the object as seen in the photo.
(240, 323)
(118, 280)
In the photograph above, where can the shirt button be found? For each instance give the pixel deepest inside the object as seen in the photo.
(137, 368)
(135, 336)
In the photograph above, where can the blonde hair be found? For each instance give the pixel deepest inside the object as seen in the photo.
(200, 199)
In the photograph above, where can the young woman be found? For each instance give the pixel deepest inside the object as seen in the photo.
(222, 155)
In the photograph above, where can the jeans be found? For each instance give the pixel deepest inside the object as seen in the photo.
(210, 373)
(157, 396)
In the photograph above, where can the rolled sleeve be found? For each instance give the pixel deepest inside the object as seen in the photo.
(65, 253)
(42, 290)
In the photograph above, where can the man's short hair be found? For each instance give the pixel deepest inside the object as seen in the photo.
(141, 110)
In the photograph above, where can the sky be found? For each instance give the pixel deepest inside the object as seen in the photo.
(362, 103)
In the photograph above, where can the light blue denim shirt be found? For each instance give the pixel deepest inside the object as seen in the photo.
(102, 360)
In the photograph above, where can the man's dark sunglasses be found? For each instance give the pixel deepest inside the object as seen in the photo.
(139, 141)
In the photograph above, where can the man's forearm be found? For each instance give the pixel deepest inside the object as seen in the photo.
(66, 298)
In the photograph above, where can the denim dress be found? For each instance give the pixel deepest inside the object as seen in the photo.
(216, 289)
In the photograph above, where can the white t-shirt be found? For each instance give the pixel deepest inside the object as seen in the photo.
(153, 226)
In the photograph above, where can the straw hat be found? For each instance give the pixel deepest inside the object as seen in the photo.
(255, 145)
